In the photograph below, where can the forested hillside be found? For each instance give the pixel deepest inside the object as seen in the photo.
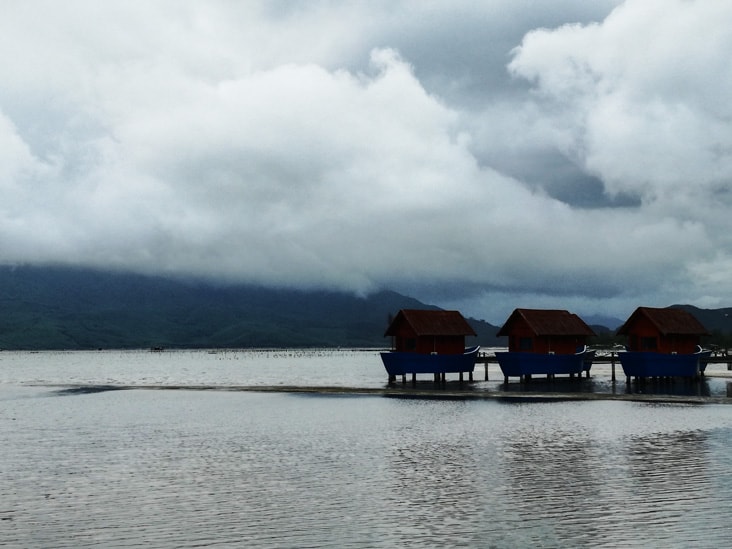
(63, 308)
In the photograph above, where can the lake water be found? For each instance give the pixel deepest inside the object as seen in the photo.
(84, 463)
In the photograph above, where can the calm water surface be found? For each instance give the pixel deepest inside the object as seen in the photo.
(86, 467)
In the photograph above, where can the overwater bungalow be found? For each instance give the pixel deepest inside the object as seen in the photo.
(429, 341)
(547, 342)
(663, 343)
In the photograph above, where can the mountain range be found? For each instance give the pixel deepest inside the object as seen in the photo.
(74, 308)
(68, 308)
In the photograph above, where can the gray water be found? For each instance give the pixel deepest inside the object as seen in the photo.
(85, 465)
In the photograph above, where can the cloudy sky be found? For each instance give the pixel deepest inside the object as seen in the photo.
(476, 155)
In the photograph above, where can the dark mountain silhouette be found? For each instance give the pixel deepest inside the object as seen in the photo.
(68, 308)
(714, 320)
(605, 322)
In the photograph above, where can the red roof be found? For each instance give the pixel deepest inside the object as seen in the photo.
(432, 323)
(548, 322)
(667, 321)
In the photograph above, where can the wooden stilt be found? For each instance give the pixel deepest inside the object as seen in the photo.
(612, 365)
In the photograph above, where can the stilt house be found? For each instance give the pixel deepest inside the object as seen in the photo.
(545, 331)
(425, 332)
(662, 330)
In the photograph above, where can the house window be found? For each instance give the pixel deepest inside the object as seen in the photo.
(526, 343)
(648, 344)
(410, 344)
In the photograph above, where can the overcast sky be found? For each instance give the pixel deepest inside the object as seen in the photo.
(477, 155)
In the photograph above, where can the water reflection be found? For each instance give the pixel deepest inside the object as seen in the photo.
(433, 471)
(550, 477)
(603, 385)
(152, 468)
(665, 480)
(434, 484)
(557, 385)
(671, 386)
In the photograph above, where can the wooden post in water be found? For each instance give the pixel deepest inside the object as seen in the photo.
(612, 365)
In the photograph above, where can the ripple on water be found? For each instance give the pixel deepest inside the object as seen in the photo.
(183, 468)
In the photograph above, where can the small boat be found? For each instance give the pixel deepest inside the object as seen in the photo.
(653, 364)
(401, 363)
(519, 364)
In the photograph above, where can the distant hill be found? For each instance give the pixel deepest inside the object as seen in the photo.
(718, 323)
(603, 321)
(714, 320)
(66, 308)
